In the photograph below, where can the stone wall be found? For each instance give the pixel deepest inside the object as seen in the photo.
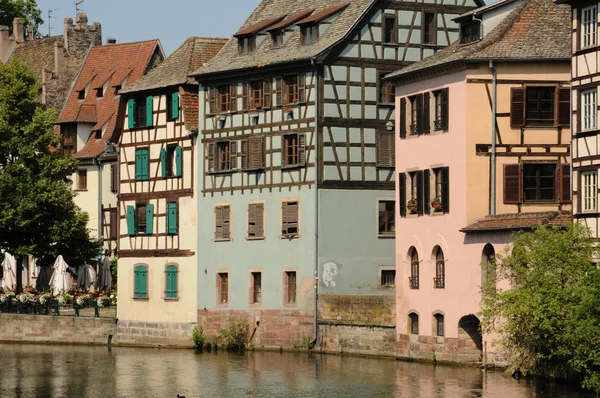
(163, 334)
(56, 329)
(442, 349)
(267, 328)
(354, 309)
(362, 340)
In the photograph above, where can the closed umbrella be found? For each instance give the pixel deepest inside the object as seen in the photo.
(86, 277)
(105, 276)
(59, 282)
(43, 280)
(9, 266)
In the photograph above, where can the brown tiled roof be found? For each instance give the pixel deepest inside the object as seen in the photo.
(535, 30)
(229, 59)
(257, 27)
(174, 70)
(323, 14)
(291, 20)
(517, 221)
(116, 61)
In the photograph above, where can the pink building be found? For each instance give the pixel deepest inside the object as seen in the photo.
(461, 193)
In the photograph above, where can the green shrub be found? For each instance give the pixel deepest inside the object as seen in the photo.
(236, 336)
(198, 337)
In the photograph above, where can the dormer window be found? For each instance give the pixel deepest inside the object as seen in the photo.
(100, 92)
(81, 94)
(470, 32)
(277, 39)
(310, 33)
(246, 44)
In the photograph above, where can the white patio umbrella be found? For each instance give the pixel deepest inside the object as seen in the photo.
(105, 276)
(9, 266)
(59, 282)
(86, 276)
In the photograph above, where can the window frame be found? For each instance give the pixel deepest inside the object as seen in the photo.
(387, 231)
(414, 268)
(538, 182)
(589, 192)
(589, 37)
(246, 44)
(473, 36)
(223, 98)
(386, 91)
(387, 277)
(439, 282)
(138, 206)
(386, 141)
(313, 33)
(540, 103)
(278, 38)
(248, 226)
(255, 289)
(143, 177)
(223, 156)
(224, 237)
(429, 31)
(439, 324)
(289, 235)
(413, 327)
(168, 216)
(589, 109)
(139, 114)
(147, 271)
(253, 102)
(222, 288)
(69, 138)
(165, 296)
(296, 149)
(291, 87)
(82, 180)
(290, 297)
(391, 31)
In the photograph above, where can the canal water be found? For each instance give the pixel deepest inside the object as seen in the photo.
(76, 371)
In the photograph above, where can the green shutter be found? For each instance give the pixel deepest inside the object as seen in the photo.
(163, 162)
(172, 218)
(171, 281)
(142, 164)
(178, 160)
(175, 106)
(149, 111)
(149, 218)
(131, 220)
(131, 114)
(140, 282)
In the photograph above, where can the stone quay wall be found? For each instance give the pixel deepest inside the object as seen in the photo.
(156, 334)
(357, 309)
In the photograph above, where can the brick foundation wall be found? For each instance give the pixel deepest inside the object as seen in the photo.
(276, 328)
(164, 334)
(455, 350)
(55, 329)
(363, 340)
(361, 310)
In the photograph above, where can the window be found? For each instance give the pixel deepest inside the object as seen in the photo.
(539, 109)
(171, 282)
(100, 92)
(140, 277)
(415, 186)
(172, 218)
(388, 277)
(113, 224)
(82, 179)
(172, 102)
(256, 287)
(588, 26)
(442, 190)
(114, 178)
(256, 94)
(171, 159)
(291, 89)
(439, 282)
(142, 164)
(98, 134)
(590, 109)
(387, 91)
(289, 219)
(539, 181)
(540, 106)
(441, 109)
(293, 150)
(140, 113)
(439, 325)
(253, 155)
(390, 35)
(141, 219)
(310, 33)
(223, 98)
(223, 286)
(386, 149)
(419, 121)
(413, 279)
(470, 32)
(256, 214)
(222, 223)
(413, 320)
(589, 187)
(278, 38)
(290, 287)
(247, 44)
(224, 156)
(81, 94)
(69, 139)
(429, 28)
(387, 222)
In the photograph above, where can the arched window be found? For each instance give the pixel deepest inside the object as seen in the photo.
(413, 323)
(140, 281)
(171, 281)
(488, 267)
(414, 269)
(439, 282)
(439, 325)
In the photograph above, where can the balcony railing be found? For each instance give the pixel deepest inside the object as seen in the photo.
(414, 128)
(413, 282)
(438, 125)
(439, 282)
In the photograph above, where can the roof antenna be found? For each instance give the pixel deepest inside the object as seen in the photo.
(50, 18)
(77, 8)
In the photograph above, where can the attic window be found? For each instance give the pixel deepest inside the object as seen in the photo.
(246, 44)
(81, 94)
(277, 39)
(100, 92)
(470, 31)
(117, 88)
(310, 33)
(98, 135)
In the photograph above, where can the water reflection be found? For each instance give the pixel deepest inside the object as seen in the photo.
(59, 371)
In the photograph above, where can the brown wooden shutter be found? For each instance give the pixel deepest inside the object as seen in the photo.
(210, 149)
(212, 95)
(445, 190)
(512, 183)
(426, 191)
(382, 150)
(301, 149)
(255, 220)
(445, 110)
(256, 157)
(267, 101)
(418, 103)
(245, 90)
(218, 222)
(233, 97)
(426, 118)
(245, 154)
(419, 198)
(402, 194)
(226, 222)
(284, 158)
(284, 218)
(517, 107)
(251, 220)
(392, 143)
(565, 181)
(233, 155)
(563, 106)
(114, 178)
(279, 91)
(292, 215)
(302, 88)
(402, 117)
(114, 221)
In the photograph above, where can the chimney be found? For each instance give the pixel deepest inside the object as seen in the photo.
(59, 57)
(30, 35)
(111, 40)
(81, 19)
(18, 30)
(4, 43)
(68, 24)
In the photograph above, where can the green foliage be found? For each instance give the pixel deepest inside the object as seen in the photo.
(235, 337)
(198, 337)
(306, 343)
(114, 271)
(549, 318)
(37, 213)
(28, 10)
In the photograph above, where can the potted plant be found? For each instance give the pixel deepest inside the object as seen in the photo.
(411, 205)
(436, 203)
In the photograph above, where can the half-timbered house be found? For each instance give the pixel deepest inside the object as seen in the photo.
(482, 151)
(296, 161)
(157, 201)
(91, 122)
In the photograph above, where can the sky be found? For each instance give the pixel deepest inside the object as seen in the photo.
(171, 21)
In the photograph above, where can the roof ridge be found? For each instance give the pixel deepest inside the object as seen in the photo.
(127, 43)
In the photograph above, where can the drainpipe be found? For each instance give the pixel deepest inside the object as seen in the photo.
(316, 261)
(100, 232)
(493, 165)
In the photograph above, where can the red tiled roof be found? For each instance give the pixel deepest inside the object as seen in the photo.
(517, 221)
(291, 20)
(114, 62)
(257, 27)
(323, 14)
